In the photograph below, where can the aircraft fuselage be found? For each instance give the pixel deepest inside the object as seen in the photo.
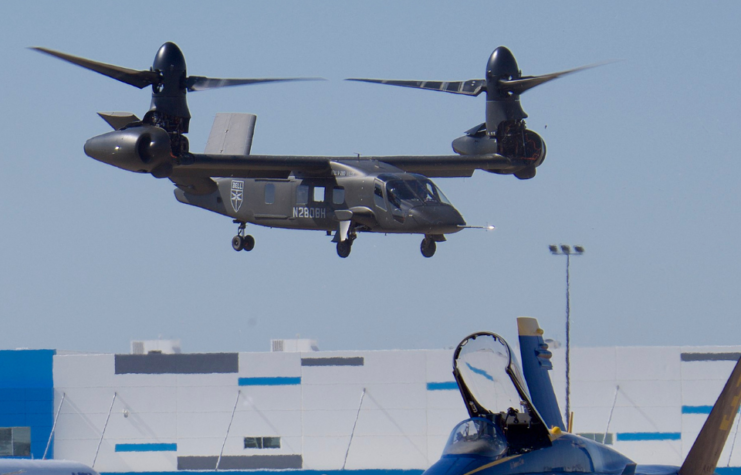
(381, 198)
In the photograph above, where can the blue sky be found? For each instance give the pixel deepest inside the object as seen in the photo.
(642, 170)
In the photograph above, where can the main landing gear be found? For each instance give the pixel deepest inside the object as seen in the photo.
(344, 247)
(428, 246)
(240, 242)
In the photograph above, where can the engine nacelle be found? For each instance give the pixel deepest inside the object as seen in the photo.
(144, 149)
(523, 146)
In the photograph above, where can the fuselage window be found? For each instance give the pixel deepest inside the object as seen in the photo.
(318, 194)
(338, 196)
(269, 193)
(302, 194)
(378, 196)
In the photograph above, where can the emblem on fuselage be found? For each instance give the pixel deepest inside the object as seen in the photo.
(237, 196)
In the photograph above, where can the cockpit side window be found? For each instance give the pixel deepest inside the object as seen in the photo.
(378, 196)
(398, 191)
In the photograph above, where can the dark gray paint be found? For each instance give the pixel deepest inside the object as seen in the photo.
(155, 363)
(242, 462)
(711, 356)
(336, 361)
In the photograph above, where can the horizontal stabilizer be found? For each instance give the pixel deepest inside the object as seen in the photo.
(118, 120)
(195, 186)
(705, 452)
(231, 134)
(536, 362)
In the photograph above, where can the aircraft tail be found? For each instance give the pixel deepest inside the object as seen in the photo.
(536, 362)
(705, 452)
(231, 134)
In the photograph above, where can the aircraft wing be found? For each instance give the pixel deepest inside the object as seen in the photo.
(438, 166)
(249, 166)
(280, 166)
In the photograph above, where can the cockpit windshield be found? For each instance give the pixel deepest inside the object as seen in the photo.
(477, 436)
(486, 367)
(419, 190)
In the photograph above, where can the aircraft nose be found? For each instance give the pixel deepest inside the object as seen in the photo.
(502, 63)
(443, 218)
(169, 57)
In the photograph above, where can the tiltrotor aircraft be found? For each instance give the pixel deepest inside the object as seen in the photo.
(515, 425)
(339, 195)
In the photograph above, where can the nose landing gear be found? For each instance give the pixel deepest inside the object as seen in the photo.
(428, 246)
(240, 242)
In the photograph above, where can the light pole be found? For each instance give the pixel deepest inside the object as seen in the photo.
(566, 251)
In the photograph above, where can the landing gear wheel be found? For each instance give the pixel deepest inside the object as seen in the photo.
(238, 243)
(344, 248)
(428, 247)
(248, 243)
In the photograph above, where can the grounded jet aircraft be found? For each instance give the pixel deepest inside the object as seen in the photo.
(340, 195)
(516, 426)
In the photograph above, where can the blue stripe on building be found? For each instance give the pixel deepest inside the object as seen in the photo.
(728, 470)
(146, 447)
(697, 409)
(642, 436)
(27, 395)
(445, 386)
(274, 381)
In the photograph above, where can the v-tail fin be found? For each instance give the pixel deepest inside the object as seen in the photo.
(705, 452)
(231, 134)
(536, 362)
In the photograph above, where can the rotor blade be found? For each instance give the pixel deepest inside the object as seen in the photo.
(135, 78)
(200, 83)
(518, 86)
(472, 87)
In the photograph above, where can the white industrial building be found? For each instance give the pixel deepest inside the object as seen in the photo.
(296, 408)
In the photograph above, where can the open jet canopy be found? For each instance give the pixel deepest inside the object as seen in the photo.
(493, 389)
(484, 365)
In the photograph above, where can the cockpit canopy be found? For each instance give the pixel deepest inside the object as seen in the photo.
(476, 436)
(485, 365)
(493, 389)
(413, 190)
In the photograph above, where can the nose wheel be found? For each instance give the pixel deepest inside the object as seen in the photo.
(428, 247)
(242, 242)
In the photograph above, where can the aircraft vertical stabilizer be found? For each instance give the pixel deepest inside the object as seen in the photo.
(536, 362)
(231, 134)
(705, 452)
